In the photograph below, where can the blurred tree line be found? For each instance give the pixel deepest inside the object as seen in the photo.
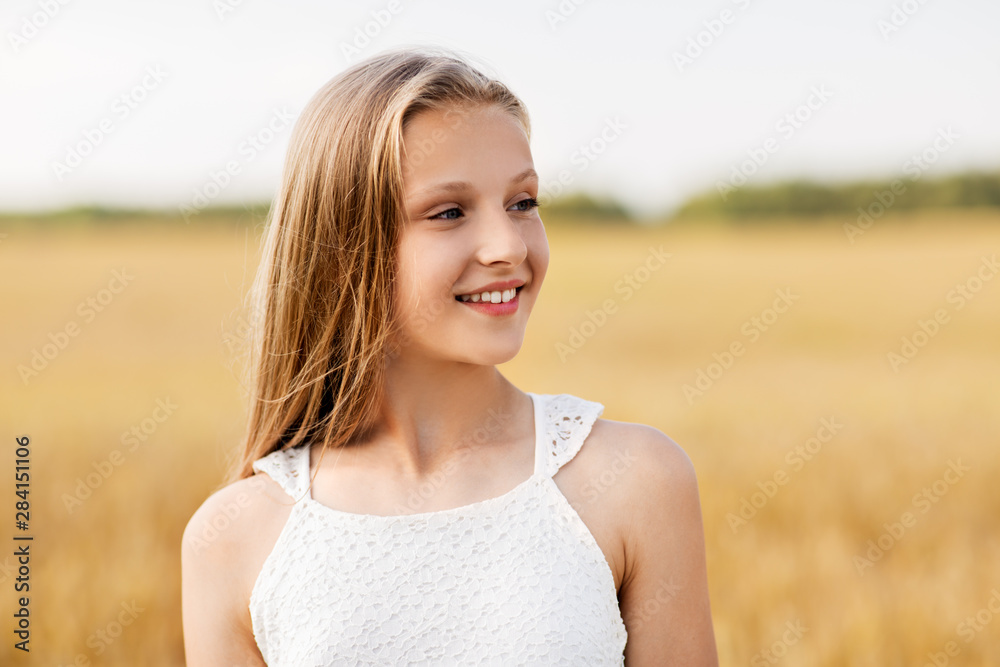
(807, 198)
(583, 207)
(800, 199)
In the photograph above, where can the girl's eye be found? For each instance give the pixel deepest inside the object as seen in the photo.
(455, 213)
(526, 205)
(450, 214)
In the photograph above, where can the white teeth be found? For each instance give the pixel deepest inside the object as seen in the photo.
(491, 297)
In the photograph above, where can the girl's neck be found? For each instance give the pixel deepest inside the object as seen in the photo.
(429, 417)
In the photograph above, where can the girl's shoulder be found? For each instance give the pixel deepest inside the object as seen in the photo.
(235, 508)
(634, 470)
(624, 475)
(234, 530)
(641, 482)
(224, 546)
(639, 443)
(598, 444)
(620, 446)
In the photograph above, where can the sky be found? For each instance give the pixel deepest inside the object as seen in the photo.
(163, 104)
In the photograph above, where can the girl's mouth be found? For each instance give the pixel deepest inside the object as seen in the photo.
(497, 296)
(500, 302)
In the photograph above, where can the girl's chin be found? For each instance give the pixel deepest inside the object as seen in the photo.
(489, 350)
(485, 354)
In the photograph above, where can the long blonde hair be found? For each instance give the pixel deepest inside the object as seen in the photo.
(321, 301)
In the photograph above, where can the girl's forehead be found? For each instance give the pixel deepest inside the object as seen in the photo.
(446, 143)
(459, 119)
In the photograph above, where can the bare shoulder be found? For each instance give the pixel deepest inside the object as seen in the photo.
(652, 486)
(646, 441)
(224, 546)
(645, 471)
(619, 481)
(234, 517)
(651, 460)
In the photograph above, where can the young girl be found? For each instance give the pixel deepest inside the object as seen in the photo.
(398, 500)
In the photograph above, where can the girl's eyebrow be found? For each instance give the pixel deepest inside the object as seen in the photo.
(465, 186)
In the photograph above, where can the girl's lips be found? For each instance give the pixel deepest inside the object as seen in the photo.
(500, 286)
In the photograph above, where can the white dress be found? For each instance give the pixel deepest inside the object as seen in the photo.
(512, 580)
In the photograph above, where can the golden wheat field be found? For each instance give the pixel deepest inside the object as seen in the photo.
(851, 498)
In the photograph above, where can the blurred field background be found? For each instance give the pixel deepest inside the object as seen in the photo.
(175, 333)
(746, 134)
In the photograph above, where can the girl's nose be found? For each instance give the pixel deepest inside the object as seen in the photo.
(500, 240)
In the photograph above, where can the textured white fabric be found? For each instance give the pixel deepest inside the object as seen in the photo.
(512, 580)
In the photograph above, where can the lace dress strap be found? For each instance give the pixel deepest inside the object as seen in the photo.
(567, 421)
(289, 468)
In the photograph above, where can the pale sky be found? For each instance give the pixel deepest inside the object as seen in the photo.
(160, 94)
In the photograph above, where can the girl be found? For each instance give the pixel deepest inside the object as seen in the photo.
(398, 501)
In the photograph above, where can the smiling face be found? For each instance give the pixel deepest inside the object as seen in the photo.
(469, 194)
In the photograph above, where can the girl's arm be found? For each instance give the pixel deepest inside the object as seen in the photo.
(215, 575)
(664, 591)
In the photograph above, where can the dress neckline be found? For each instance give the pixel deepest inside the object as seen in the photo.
(538, 404)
